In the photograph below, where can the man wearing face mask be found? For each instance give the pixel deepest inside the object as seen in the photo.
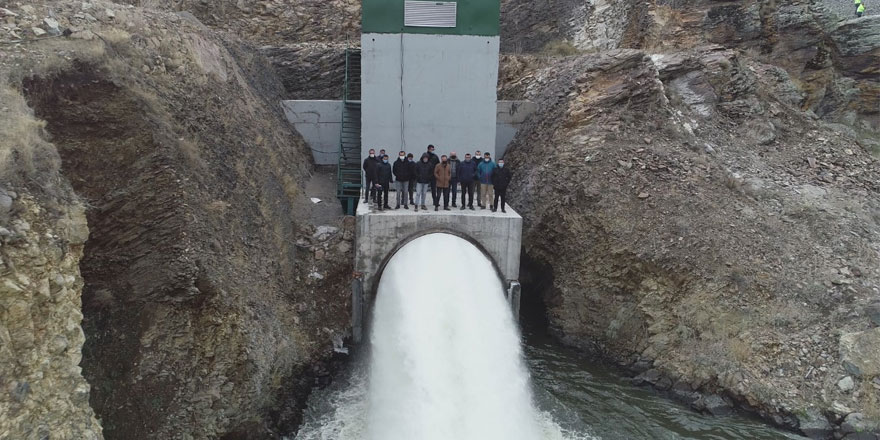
(411, 169)
(434, 160)
(371, 165)
(478, 159)
(401, 180)
(442, 175)
(467, 175)
(484, 173)
(384, 181)
(424, 175)
(454, 163)
(500, 180)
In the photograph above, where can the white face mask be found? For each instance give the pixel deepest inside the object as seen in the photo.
(500, 165)
(486, 159)
(372, 155)
(401, 157)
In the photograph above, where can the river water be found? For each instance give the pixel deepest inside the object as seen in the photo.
(447, 362)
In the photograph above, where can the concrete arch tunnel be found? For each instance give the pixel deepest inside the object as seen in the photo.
(381, 235)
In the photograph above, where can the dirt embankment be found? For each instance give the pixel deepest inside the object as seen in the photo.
(208, 310)
(685, 218)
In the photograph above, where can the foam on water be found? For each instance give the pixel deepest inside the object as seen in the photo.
(446, 360)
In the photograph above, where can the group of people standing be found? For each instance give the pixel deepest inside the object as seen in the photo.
(477, 174)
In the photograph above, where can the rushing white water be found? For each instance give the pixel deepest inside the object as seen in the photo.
(446, 361)
(446, 356)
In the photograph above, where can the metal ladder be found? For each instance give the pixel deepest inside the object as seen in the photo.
(348, 186)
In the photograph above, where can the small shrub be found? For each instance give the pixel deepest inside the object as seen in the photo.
(561, 48)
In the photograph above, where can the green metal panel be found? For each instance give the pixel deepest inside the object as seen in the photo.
(475, 17)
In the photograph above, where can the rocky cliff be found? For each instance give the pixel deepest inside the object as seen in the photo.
(684, 217)
(830, 55)
(205, 310)
(41, 244)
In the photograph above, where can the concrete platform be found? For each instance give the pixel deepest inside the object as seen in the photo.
(381, 233)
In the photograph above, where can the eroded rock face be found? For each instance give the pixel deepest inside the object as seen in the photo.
(694, 219)
(44, 393)
(273, 21)
(200, 317)
(309, 70)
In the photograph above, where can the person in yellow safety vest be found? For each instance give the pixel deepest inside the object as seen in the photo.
(857, 4)
(860, 10)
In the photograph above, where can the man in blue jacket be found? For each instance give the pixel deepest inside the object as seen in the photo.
(484, 173)
(384, 179)
(467, 176)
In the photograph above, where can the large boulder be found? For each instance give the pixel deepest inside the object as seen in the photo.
(860, 352)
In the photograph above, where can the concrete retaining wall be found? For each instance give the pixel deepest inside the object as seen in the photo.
(509, 118)
(320, 122)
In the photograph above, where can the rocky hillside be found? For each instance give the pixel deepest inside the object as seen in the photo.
(684, 217)
(830, 57)
(205, 310)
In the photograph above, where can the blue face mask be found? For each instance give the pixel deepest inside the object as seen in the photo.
(385, 160)
(500, 165)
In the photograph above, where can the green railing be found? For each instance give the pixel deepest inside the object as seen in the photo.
(348, 181)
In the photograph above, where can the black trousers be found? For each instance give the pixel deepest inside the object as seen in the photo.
(467, 189)
(435, 195)
(445, 193)
(370, 194)
(502, 193)
(383, 190)
(412, 188)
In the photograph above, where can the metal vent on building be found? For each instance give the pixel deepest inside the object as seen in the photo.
(430, 14)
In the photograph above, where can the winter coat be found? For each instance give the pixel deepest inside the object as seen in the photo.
(383, 173)
(402, 170)
(453, 165)
(467, 171)
(484, 172)
(371, 165)
(411, 166)
(424, 171)
(501, 177)
(433, 158)
(443, 174)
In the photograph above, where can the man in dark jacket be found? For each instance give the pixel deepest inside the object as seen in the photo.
(434, 159)
(411, 168)
(384, 179)
(467, 175)
(478, 157)
(424, 176)
(371, 165)
(454, 162)
(402, 177)
(500, 180)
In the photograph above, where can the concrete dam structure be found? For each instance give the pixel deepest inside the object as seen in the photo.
(426, 73)
(429, 76)
(381, 234)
